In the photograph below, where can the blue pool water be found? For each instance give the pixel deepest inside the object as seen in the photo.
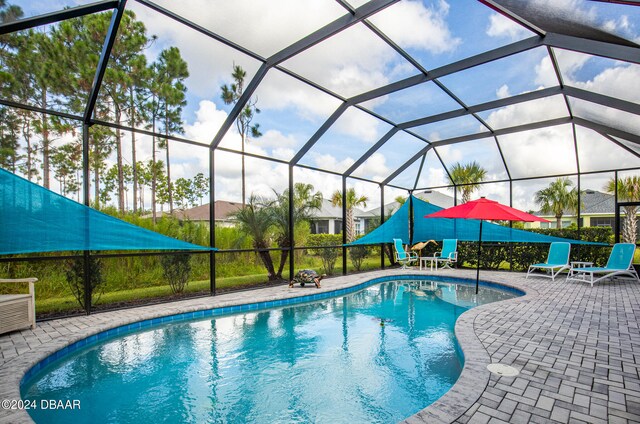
(377, 355)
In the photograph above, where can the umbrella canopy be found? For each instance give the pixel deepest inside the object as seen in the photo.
(485, 209)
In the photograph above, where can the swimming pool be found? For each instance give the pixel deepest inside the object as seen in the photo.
(378, 354)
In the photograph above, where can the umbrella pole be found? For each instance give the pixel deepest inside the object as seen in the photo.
(479, 252)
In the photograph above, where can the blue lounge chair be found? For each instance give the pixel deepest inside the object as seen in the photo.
(402, 256)
(449, 253)
(558, 258)
(619, 263)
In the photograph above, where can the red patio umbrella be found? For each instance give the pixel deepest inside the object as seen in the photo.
(484, 209)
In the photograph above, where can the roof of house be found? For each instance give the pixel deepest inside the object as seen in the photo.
(593, 202)
(436, 198)
(328, 211)
(431, 196)
(222, 210)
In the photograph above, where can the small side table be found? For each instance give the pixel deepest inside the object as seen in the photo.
(577, 265)
(431, 259)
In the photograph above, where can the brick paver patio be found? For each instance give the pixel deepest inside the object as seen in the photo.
(577, 350)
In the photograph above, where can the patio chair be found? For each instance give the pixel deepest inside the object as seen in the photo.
(619, 263)
(449, 253)
(402, 256)
(558, 258)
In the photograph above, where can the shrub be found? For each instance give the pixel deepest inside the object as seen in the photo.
(357, 254)
(176, 270)
(76, 279)
(329, 256)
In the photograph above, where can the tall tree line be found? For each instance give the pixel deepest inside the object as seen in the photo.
(54, 68)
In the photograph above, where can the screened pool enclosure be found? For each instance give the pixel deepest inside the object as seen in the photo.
(385, 97)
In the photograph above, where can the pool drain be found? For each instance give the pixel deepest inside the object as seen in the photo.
(503, 370)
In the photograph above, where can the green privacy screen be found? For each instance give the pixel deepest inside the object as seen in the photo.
(442, 228)
(35, 219)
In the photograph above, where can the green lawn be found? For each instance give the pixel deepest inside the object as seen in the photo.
(68, 304)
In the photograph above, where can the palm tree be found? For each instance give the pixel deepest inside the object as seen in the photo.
(628, 191)
(230, 95)
(353, 200)
(557, 199)
(304, 202)
(467, 176)
(256, 220)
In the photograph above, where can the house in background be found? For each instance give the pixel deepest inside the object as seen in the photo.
(431, 196)
(223, 213)
(328, 219)
(597, 210)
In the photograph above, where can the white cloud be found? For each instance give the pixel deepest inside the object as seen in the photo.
(501, 26)
(615, 81)
(545, 73)
(483, 151)
(497, 191)
(360, 125)
(412, 24)
(326, 161)
(433, 176)
(282, 153)
(597, 153)
(527, 112)
(547, 151)
(351, 62)
(278, 91)
(273, 138)
(503, 91)
(375, 168)
(208, 121)
(569, 63)
(268, 26)
(207, 71)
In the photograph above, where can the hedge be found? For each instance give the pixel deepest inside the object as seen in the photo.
(495, 254)
(521, 255)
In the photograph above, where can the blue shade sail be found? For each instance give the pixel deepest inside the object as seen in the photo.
(34, 219)
(444, 228)
(396, 227)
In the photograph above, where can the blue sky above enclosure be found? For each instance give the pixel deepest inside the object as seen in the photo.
(356, 60)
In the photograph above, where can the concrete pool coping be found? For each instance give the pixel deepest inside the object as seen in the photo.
(469, 400)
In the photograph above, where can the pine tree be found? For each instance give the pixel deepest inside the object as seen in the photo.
(170, 71)
(130, 42)
(9, 139)
(66, 160)
(230, 95)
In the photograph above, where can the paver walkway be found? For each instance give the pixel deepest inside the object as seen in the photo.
(577, 349)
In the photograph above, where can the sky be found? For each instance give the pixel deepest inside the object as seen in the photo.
(435, 33)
